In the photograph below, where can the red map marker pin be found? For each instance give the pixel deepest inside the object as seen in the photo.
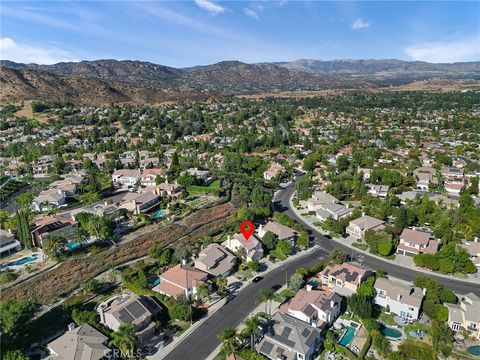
(247, 228)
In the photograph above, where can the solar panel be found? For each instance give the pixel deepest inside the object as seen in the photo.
(305, 333)
(125, 317)
(135, 309)
(286, 333)
(266, 348)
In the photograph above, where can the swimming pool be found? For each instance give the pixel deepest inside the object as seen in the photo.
(155, 282)
(160, 213)
(22, 261)
(313, 283)
(390, 332)
(73, 245)
(347, 336)
(474, 350)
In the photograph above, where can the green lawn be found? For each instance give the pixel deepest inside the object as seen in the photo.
(360, 246)
(213, 189)
(387, 318)
(286, 294)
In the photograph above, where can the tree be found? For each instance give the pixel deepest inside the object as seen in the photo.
(337, 257)
(266, 296)
(22, 225)
(254, 265)
(203, 291)
(14, 314)
(303, 188)
(79, 235)
(284, 247)
(92, 286)
(228, 338)
(182, 312)
(55, 243)
(361, 305)
(221, 283)
(124, 338)
(401, 221)
(270, 240)
(81, 317)
(342, 163)
(183, 252)
(302, 240)
(296, 282)
(155, 251)
(251, 328)
(442, 338)
(165, 257)
(14, 355)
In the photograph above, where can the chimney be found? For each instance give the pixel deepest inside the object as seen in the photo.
(71, 327)
(424, 291)
(308, 287)
(184, 262)
(399, 297)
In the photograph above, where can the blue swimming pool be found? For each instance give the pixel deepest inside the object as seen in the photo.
(313, 283)
(474, 350)
(155, 282)
(390, 332)
(22, 261)
(73, 245)
(347, 336)
(160, 213)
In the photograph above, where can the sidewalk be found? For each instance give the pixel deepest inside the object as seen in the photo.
(400, 260)
(162, 352)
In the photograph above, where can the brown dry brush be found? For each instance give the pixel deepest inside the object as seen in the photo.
(72, 274)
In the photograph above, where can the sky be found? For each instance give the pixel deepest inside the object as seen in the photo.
(189, 33)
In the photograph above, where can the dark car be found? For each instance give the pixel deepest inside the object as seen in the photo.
(148, 350)
(257, 279)
(327, 236)
(276, 287)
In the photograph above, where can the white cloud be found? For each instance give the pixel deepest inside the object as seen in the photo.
(210, 6)
(10, 50)
(460, 50)
(360, 24)
(251, 13)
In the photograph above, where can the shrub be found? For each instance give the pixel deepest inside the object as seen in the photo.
(7, 277)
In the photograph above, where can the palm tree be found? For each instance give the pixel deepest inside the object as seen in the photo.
(124, 338)
(95, 226)
(79, 235)
(251, 328)
(221, 283)
(228, 337)
(55, 243)
(267, 295)
(203, 291)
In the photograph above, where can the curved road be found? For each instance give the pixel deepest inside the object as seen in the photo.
(282, 204)
(203, 340)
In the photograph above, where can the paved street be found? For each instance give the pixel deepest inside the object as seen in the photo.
(203, 340)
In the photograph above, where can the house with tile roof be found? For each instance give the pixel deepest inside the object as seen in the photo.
(140, 311)
(465, 314)
(251, 249)
(283, 232)
(344, 278)
(288, 338)
(316, 307)
(414, 242)
(181, 279)
(216, 260)
(358, 227)
(398, 298)
(79, 343)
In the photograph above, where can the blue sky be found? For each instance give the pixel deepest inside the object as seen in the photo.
(187, 33)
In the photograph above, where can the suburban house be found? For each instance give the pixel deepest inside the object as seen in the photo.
(344, 278)
(164, 189)
(126, 177)
(425, 176)
(82, 342)
(273, 171)
(402, 300)
(334, 211)
(140, 311)
(453, 185)
(378, 190)
(358, 227)
(316, 307)
(42, 166)
(215, 260)
(139, 203)
(68, 185)
(414, 242)
(283, 232)
(46, 226)
(319, 198)
(445, 200)
(48, 200)
(8, 243)
(204, 176)
(251, 249)
(465, 314)
(408, 195)
(181, 279)
(149, 176)
(289, 338)
(367, 173)
(473, 249)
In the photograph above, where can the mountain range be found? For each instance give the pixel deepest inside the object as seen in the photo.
(103, 81)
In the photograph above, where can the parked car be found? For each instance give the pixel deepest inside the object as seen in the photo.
(276, 287)
(257, 279)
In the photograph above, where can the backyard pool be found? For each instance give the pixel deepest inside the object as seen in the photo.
(155, 282)
(160, 213)
(390, 332)
(313, 283)
(22, 261)
(474, 350)
(347, 336)
(73, 245)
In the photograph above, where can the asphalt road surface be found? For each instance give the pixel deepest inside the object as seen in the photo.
(201, 342)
